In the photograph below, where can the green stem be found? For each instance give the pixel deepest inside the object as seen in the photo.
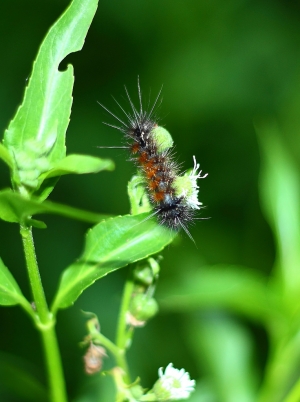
(54, 366)
(122, 333)
(45, 321)
(122, 337)
(34, 275)
(119, 354)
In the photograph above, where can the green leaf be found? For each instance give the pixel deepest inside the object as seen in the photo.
(36, 135)
(42, 192)
(36, 224)
(224, 287)
(79, 164)
(110, 245)
(10, 293)
(280, 196)
(15, 208)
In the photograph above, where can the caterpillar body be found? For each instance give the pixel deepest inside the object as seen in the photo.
(173, 196)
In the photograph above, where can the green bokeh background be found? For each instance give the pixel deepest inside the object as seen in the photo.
(222, 64)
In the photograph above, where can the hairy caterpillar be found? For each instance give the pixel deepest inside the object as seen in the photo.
(173, 196)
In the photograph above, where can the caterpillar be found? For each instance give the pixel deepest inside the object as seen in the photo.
(173, 196)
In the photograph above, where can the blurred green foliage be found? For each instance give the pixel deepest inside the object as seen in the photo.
(223, 65)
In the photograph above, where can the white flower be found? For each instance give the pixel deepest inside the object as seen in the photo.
(194, 176)
(186, 186)
(173, 384)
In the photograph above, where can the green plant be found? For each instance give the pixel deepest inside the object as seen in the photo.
(34, 150)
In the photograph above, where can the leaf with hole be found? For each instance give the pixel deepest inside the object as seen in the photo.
(35, 137)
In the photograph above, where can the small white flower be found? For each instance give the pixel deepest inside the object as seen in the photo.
(173, 384)
(186, 186)
(194, 176)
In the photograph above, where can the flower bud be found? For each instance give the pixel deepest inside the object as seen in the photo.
(162, 138)
(143, 307)
(143, 273)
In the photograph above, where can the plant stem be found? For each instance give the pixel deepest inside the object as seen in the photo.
(45, 321)
(121, 339)
(54, 366)
(119, 354)
(34, 275)
(122, 333)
